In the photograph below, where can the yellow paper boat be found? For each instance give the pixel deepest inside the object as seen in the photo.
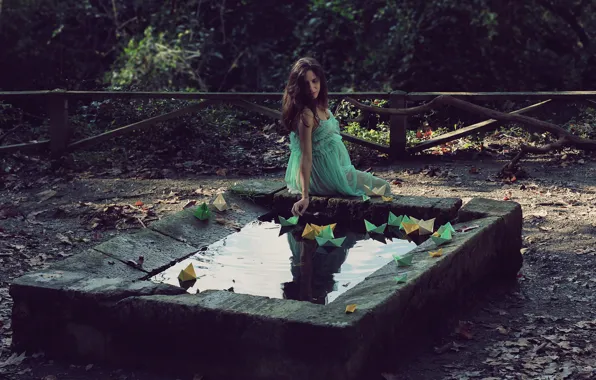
(437, 253)
(410, 227)
(311, 231)
(351, 308)
(426, 227)
(187, 274)
(220, 203)
(387, 199)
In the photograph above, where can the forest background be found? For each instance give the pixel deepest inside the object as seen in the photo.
(249, 45)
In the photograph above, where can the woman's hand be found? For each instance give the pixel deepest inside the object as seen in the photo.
(300, 207)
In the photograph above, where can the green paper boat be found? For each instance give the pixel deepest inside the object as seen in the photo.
(446, 226)
(441, 238)
(375, 229)
(405, 219)
(325, 242)
(288, 222)
(394, 221)
(202, 212)
(403, 261)
(401, 279)
(365, 197)
(326, 233)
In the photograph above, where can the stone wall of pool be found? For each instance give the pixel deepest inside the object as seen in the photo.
(95, 307)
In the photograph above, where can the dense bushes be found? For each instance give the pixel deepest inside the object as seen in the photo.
(249, 44)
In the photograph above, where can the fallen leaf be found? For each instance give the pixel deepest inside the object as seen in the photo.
(14, 359)
(45, 195)
(189, 204)
(31, 217)
(64, 239)
(584, 251)
(228, 223)
(139, 203)
(540, 213)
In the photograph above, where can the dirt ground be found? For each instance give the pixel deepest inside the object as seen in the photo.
(543, 327)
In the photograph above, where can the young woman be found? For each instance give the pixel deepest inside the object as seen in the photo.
(319, 161)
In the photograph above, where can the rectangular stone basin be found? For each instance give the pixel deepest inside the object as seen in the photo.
(98, 308)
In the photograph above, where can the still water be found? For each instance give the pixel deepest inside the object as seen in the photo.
(264, 259)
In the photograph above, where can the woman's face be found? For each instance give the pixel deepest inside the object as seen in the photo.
(313, 82)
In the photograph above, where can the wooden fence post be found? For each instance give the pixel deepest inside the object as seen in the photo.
(398, 126)
(59, 128)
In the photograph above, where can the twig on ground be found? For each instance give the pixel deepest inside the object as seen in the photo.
(9, 132)
(140, 221)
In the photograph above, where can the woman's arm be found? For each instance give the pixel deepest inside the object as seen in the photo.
(305, 128)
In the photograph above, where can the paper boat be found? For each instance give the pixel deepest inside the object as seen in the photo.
(442, 238)
(446, 226)
(403, 261)
(404, 219)
(220, 203)
(394, 221)
(375, 192)
(202, 212)
(288, 222)
(335, 242)
(426, 227)
(401, 279)
(312, 230)
(375, 229)
(187, 274)
(326, 233)
(410, 227)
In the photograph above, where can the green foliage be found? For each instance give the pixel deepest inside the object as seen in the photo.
(245, 45)
(380, 135)
(157, 61)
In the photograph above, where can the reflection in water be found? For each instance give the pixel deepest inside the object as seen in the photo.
(313, 268)
(255, 261)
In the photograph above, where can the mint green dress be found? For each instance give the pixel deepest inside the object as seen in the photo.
(332, 170)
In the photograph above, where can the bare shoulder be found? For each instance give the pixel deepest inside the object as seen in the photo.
(308, 118)
(307, 113)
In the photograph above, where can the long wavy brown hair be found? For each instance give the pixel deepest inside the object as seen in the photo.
(297, 95)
